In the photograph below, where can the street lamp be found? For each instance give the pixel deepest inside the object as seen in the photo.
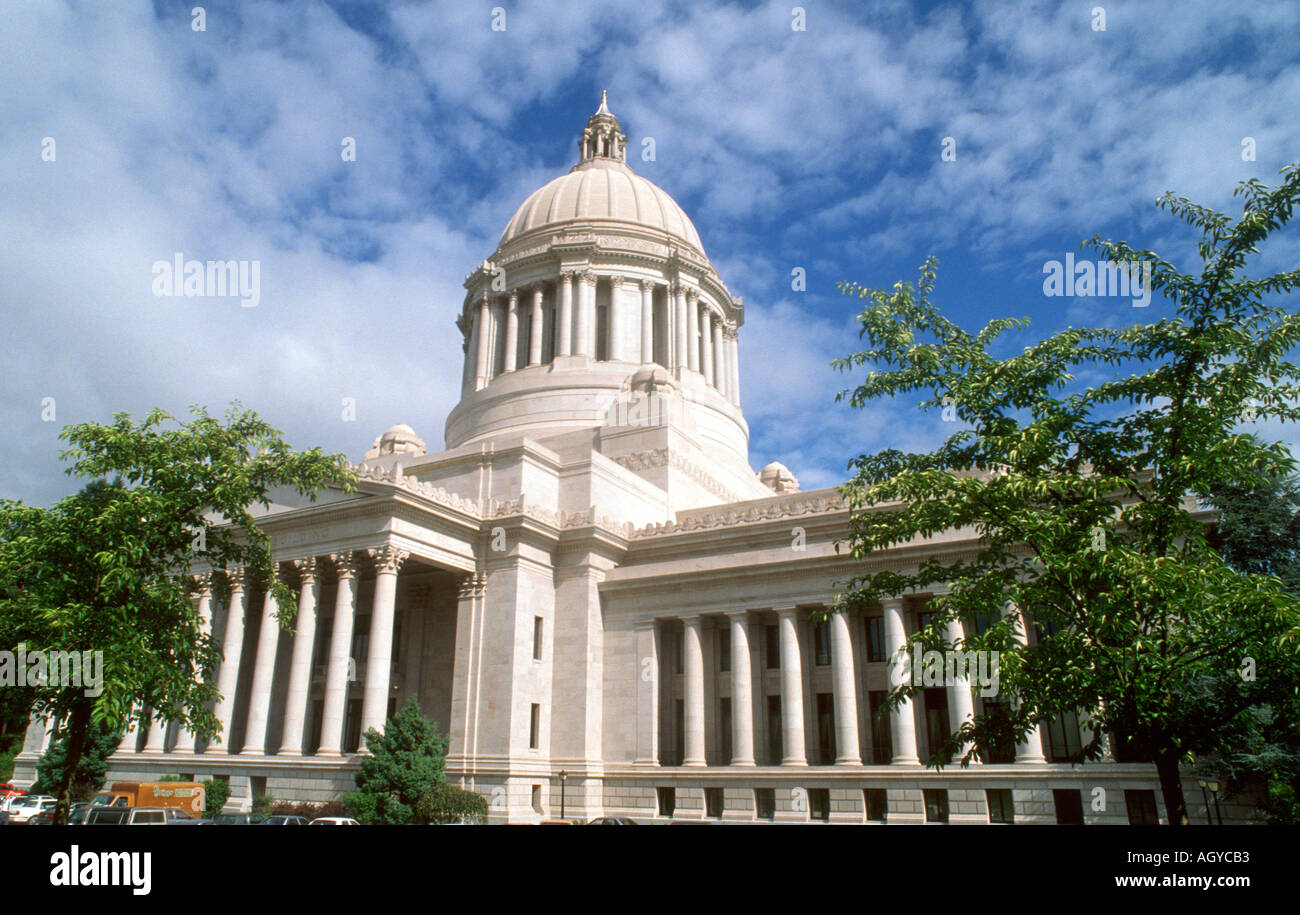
(563, 776)
(1209, 820)
(1211, 784)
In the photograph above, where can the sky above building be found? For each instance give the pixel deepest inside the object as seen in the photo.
(810, 145)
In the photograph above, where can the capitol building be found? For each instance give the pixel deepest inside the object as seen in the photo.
(590, 590)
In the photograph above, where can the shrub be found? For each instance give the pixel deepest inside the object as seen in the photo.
(448, 804)
(217, 792)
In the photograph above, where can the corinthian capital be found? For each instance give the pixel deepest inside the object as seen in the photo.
(388, 558)
(307, 569)
(345, 564)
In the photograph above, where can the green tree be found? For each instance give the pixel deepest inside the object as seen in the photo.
(1258, 531)
(216, 793)
(1082, 497)
(405, 765)
(107, 570)
(100, 743)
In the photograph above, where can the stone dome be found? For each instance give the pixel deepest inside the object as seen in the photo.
(602, 190)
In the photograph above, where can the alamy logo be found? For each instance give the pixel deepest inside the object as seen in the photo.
(196, 279)
(951, 668)
(103, 868)
(1099, 278)
(82, 670)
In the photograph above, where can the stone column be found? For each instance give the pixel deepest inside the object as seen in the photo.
(535, 329)
(340, 655)
(589, 293)
(733, 364)
(482, 367)
(706, 354)
(791, 689)
(128, 742)
(647, 321)
(680, 360)
(582, 320)
(564, 333)
(693, 705)
(1030, 749)
(512, 331)
(961, 706)
(155, 741)
(259, 702)
(374, 702)
(304, 641)
(901, 722)
(185, 738)
(693, 329)
(742, 702)
(231, 648)
(616, 319)
(846, 692)
(647, 694)
(719, 360)
(466, 325)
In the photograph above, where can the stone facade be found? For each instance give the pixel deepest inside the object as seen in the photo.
(591, 580)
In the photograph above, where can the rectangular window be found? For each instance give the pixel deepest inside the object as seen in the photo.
(936, 805)
(1069, 806)
(882, 744)
(822, 639)
(819, 803)
(667, 801)
(774, 743)
(602, 333)
(876, 639)
(1141, 806)
(936, 718)
(826, 727)
(724, 728)
(1002, 808)
(535, 726)
(1002, 750)
(679, 732)
(765, 803)
(713, 802)
(772, 647)
(537, 638)
(724, 649)
(352, 726)
(875, 801)
(1063, 737)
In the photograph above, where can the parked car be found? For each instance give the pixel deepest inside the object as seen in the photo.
(107, 816)
(7, 800)
(283, 819)
(235, 819)
(24, 808)
(4, 817)
(611, 821)
(161, 816)
(333, 821)
(76, 815)
(8, 790)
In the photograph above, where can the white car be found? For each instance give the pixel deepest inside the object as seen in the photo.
(333, 821)
(21, 809)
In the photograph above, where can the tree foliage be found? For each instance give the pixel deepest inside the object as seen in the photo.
(101, 742)
(404, 765)
(108, 569)
(1082, 497)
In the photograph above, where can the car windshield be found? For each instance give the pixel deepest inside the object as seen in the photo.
(101, 800)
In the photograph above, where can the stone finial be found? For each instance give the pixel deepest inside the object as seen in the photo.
(778, 478)
(401, 439)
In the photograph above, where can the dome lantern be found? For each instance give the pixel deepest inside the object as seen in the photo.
(602, 138)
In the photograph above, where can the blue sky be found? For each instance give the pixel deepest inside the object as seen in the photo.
(818, 149)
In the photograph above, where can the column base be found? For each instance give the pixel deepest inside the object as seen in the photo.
(252, 753)
(794, 762)
(743, 762)
(848, 761)
(216, 751)
(331, 753)
(694, 763)
(905, 761)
